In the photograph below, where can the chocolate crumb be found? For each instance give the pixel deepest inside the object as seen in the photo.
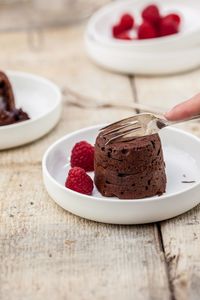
(188, 181)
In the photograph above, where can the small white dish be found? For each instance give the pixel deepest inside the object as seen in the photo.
(41, 99)
(181, 153)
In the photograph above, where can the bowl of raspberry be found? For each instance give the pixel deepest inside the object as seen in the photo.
(139, 30)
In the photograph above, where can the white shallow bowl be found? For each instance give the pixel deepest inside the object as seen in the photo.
(41, 99)
(166, 55)
(100, 24)
(143, 62)
(181, 153)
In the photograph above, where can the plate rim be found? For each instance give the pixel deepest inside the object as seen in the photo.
(111, 199)
(56, 88)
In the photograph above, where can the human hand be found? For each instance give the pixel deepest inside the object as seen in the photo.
(185, 109)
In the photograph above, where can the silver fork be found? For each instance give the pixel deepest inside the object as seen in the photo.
(138, 125)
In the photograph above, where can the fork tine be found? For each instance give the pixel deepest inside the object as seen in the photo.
(119, 128)
(122, 134)
(119, 122)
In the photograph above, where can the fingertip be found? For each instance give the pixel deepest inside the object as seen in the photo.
(168, 115)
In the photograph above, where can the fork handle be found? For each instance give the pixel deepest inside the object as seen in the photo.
(182, 121)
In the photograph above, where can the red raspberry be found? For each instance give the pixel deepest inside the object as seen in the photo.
(151, 14)
(146, 31)
(79, 181)
(168, 27)
(174, 18)
(124, 36)
(117, 30)
(83, 156)
(126, 22)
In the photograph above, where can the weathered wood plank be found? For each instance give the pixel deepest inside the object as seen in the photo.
(45, 251)
(180, 236)
(65, 63)
(60, 56)
(182, 248)
(167, 91)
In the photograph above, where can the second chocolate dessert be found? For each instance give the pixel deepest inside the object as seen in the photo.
(130, 170)
(9, 114)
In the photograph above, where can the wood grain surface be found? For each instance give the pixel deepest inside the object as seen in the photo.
(46, 252)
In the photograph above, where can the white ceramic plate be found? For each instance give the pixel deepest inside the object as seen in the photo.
(181, 153)
(41, 99)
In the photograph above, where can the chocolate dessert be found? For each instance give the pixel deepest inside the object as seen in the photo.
(130, 170)
(9, 114)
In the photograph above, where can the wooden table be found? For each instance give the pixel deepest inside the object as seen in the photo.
(48, 253)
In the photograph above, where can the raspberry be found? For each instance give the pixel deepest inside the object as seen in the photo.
(168, 27)
(79, 181)
(146, 31)
(151, 14)
(117, 30)
(124, 36)
(83, 156)
(174, 18)
(127, 22)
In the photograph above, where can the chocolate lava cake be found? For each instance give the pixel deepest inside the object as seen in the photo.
(130, 170)
(9, 114)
